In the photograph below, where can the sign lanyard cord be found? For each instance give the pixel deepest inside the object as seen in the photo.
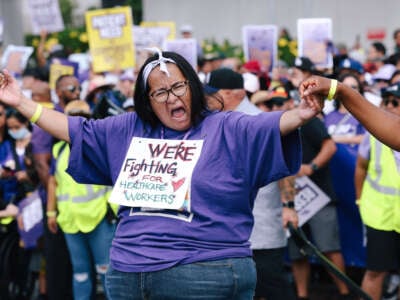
(185, 137)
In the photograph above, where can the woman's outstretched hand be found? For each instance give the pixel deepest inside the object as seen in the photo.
(10, 92)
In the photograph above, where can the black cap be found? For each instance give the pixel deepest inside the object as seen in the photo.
(304, 64)
(225, 78)
(391, 90)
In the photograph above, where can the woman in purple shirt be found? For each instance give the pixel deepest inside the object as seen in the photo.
(169, 244)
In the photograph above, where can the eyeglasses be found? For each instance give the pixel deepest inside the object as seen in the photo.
(394, 102)
(178, 89)
(271, 103)
(72, 88)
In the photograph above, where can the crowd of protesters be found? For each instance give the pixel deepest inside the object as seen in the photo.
(30, 161)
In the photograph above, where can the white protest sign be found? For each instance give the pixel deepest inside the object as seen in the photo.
(309, 199)
(260, 43)
(157, 173)
(185, 47)
(45, 15)
(32, 213)
(15, 58)
(147, 37)
(315, 41)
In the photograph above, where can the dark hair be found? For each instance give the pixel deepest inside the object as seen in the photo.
(141, 95)
(396, 32)
(12, 113)
(341, 78)
(379, 47)
(396, 73)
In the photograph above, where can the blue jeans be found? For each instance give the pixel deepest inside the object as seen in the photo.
(233, 278)
(85, 248)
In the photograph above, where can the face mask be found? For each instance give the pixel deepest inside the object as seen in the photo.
(19, 134)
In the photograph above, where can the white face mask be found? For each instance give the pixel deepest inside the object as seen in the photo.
(19, 134)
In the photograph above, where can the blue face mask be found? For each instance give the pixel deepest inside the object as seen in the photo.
(19, 134)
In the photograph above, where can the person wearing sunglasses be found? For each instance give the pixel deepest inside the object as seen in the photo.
(377, 190)
(67, 89)
(185, 179)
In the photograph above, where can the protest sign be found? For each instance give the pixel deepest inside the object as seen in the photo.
(147, 37)
(61, 67)
(1, 29)
(185, 47)
(157, 173)
(169, 26)
(32, 218)
(110, 38)
(15, 58)
(260, 44)
(315, 41)
(45, 15)
(309, 199)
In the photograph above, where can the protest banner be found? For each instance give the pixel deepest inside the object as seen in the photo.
(185, 47)
(15, 58)
(32, 218)
(45, 15)
(59, 67)
(169, 26)
(315, 41)
(260, 44)
(156, 175)
(148, 37)
(110, 38)
(309, 199)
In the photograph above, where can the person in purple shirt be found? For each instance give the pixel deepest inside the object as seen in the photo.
(341, 125)
(184, 245)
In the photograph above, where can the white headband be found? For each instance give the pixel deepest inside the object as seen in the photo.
(160, 61)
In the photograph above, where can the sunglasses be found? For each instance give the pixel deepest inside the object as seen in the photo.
(73, 88)
(271, 103)
(394, 102)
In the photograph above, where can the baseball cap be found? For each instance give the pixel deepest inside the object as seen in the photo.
(352, 64)
(224, 78)
(259, 97)
(304, 64)
(251, 82)
(391, 90)
(77, 108)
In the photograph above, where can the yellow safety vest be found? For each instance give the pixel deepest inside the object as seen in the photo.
(380, 196)
(81, 207)
(6, 220)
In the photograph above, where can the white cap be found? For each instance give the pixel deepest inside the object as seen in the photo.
(186, 28)
(251, 82)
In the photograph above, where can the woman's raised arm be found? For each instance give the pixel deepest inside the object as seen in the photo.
(382, 124)
(52, 121)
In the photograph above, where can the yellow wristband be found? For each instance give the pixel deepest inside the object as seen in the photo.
(36, 115)
(358, 202)
(51, 213)
(332, 89)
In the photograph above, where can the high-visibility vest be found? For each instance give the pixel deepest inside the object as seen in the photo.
(81, 207)
(380, 196)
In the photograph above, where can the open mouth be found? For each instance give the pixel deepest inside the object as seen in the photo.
(178, 113)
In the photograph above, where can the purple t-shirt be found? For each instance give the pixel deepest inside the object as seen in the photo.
(240, 154)
(343, 124)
